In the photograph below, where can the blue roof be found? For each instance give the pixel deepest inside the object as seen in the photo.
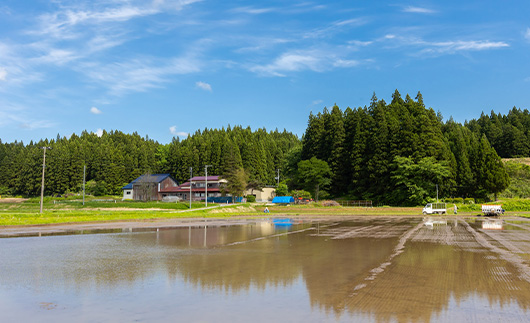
(283, 199)
(153, 178)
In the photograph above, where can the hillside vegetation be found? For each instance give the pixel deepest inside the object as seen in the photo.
(397, 153)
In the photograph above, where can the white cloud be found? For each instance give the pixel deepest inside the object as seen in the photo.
(138, 75)
(95, 110)
(313, 60)
(442, 47)
(418, 10)
(99, 132)
(204, 86)
(527, 34)
(456, 46)
(174, 132)
(3, 74)
(57, 56)
(252, 11)
(346, 63)
(290, 62)
(61, 24)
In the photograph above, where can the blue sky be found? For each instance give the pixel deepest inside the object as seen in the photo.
(166, 68)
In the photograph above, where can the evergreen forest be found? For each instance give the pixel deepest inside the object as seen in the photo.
(397, 153)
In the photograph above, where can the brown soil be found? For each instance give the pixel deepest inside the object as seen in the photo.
(12, 200)
(525, 161)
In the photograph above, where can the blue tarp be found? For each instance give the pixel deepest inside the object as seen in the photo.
(282, 222)
(283, 199)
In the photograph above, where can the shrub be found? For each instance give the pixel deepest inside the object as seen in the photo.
(458, 200)
(469, 200)
(301, 193)
(250, 198)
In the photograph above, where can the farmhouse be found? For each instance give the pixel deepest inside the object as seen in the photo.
(198, 188)
(148, 187)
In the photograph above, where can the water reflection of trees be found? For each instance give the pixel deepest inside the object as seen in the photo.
(426, 276)
(420, 282)
(325, 264)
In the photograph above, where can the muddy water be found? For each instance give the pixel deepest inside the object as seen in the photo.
(362, 269)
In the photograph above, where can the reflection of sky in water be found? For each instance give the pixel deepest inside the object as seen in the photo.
(259, 272)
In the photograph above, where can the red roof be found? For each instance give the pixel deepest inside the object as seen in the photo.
(203, 178)
(183, 188)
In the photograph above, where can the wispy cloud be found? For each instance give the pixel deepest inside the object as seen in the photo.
(18, 116)
(35, 124)
(440, 47)
(290, 62)
(295, 61)
(412, 9)
(252, 10)
(174, 132)
(138, 75)
(527, 34)
(57, 56)
(204, 86)
(3, 74)
(95, 110)
(452, 47)
(62, 23)
(335, 27)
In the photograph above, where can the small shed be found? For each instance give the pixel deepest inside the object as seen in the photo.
(283, 199)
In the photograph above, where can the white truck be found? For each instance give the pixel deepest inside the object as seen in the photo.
(488, 209)
(435, 208)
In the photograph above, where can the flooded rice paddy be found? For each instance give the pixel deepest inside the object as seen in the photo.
(380, 269)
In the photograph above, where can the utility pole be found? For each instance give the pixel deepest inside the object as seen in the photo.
(84, 176)
(191, 176)
(437, 193)
(206, 184)
(42, 185)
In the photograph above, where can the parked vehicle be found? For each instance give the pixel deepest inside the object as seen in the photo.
(492, 209)
(435, 208)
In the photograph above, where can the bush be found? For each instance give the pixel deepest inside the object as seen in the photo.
(282, 190)
(469, 200)
(250, 198)
(323, 195)
(458, 200)
(301, 193)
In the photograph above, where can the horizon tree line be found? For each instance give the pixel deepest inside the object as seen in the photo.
(393, 153)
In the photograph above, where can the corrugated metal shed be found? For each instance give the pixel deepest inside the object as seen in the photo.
(283, 199)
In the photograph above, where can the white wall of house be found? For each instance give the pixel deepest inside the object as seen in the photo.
(265, 195)
(128, 194)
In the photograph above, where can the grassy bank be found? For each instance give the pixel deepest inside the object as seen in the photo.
(71, 211)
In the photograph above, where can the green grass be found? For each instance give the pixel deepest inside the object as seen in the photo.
(69, 211)
(32, 206)
(93, 216)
